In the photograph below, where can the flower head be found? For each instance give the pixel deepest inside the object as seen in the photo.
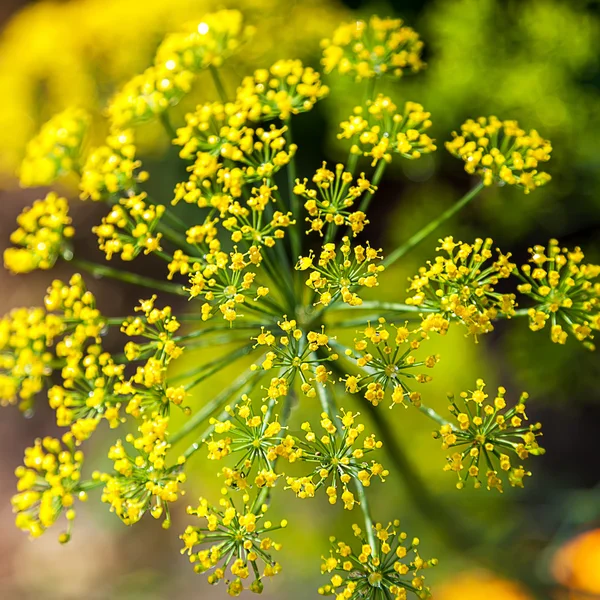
(380, 130)
(386, 564)
(461, 284)
(49, 482)
(112, 169)
(235, 540)
(295, 353)
(179, 59)
(490, 433)
(341, 270)
(56, 149)
(130, 227)
(286, 88)
(502, 152)
(329, 204)
(387, 353)
(566, 292)
(41, 238)
(143, 482)
(337, 457)
(25, 358)
(254, 438)
(379, 47)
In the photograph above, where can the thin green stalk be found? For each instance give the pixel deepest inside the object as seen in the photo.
(167, 125)
(364, 506)
(377, 176)
(216, 365)
(218, 83)
(105, 271)
(294, 201)
(431, 227)
(213, 405)
(384, 306)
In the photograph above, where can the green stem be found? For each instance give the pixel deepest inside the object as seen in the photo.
(105, 271)
(167, 125)
(431, 227)
(377, 176)
(218, 364)
(294, 201)
(218, 83)
(384, 306)
(364, 506)
(208, 409)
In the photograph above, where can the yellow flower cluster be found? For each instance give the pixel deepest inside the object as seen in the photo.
(255, 440)
(48, 484)
(501, 152)
(130, 227)
(340, 271)
(295, 353)
(55, 151)
(179, 59)
(25, 359)
(381, 130)
(225, 281)
(75, 52)
(148, 390)
(335, 194)
(338, 458)
(249, 222)
(489, 432)
(43, 231)
(474, 585)
(566, 292)
(143, 483)
(227, 155)
(386, 564)
(461, 284)
(379, 47)
(238, 544)
(286, 88)
(387, 354)
(112, 169)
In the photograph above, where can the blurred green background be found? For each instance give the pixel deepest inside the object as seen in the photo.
(536, 61)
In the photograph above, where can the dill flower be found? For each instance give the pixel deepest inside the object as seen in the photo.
(491, 433)
(236, 542)
(286, 88)
(381, 130)
(294, 354)
(41, 237)
(55, 151)
(255, 438)
(49, 482)
(337, 457)
(379, 47)
(130, 227)
(339, 271)
(386, 566)
(335, 194)
(148, 391)
(112, 169)
(574, 565)
(179, 59)
(566, 291)
(473, 585)
(143, 482)
(25, 359)
(387, 354)
(461, 284)
(501, 152)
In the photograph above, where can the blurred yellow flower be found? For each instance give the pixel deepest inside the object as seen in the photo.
(576, 566)
(475, 585)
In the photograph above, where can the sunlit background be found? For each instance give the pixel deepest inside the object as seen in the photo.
(532, 60)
